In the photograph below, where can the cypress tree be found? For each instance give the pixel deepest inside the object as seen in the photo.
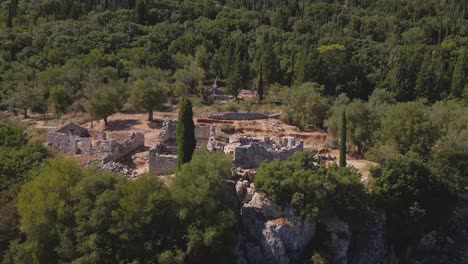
(140, 10)
(11, 12)
(260, 84)
(185, 133)
(343, 141)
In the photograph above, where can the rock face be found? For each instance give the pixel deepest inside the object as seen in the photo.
(271, 234)
(449, 243)
(371, 242)
(338, 240)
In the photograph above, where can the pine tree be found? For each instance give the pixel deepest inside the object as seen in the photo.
(260, 84)
(343, 141)
(186, 142)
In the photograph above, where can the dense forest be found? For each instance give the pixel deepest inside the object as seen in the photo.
(397, 69)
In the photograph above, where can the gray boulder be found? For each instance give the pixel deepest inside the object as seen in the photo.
(273, 234)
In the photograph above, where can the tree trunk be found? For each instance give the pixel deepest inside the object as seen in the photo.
(105, 121)
(150, 115)
(25, 115)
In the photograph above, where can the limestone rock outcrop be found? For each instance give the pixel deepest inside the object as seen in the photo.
(272, 234)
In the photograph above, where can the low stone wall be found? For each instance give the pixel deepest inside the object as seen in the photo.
(160, 164)
(122, 150)
(237, 116)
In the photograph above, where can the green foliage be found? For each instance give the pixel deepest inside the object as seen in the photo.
(59, 97)
(186, 142)
(343, 140)
(410, 49)
(318, 259)
(415, 199)
(260, 89)
(313, 190)
(191, 75)
(17, 163)
(207, 205)
(406, 127)
(149, 95)
(107, 100)
(9, 219)
(449, 156)
(228, 129)
(79, 215)
(304, 105)
(11, 136)
(362, 121)
(17, 155)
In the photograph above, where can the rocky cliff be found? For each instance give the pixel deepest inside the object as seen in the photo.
(272, 234)
(275, 235)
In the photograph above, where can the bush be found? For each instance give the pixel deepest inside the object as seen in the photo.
(304, 105)
(11, 136)
(414, 198)
(232, 107)
(313, 190)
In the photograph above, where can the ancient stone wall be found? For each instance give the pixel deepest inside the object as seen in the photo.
(169, 131)
(162, 156)
(161, 164)
(64, 142)
(113, 151)
(105, 150)
(251, 155)
(237, 116)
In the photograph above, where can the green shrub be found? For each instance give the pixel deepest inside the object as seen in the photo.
(228, 129)
(232, 107)
(304, 105)
(313, 190)
(415, 199)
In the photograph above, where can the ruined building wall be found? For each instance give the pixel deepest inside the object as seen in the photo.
(169, 131)
(252, 155)
(64, 142)
(161, 164)
(237, 116)
(162, 157)
(111, 150)
(106, 150)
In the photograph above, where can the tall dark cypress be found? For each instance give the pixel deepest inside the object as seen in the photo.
(260, 84)
(186, 142)
(343, 140)
(11, 12)
(140, 10)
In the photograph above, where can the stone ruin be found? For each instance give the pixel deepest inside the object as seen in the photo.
(237, 116)
(162, 157)
(73, 139)
(249, 153)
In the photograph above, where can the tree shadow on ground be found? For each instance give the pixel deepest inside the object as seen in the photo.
(156, 124)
